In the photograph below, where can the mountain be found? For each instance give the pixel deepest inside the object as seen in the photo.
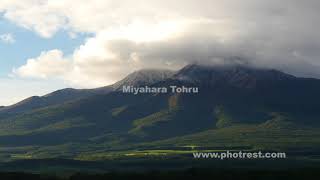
(142, 77)
(54, 98)
(232, 95)
(233, 103)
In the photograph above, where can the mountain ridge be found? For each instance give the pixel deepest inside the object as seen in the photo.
(70, 94)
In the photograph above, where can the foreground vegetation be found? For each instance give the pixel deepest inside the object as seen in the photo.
(222, 174)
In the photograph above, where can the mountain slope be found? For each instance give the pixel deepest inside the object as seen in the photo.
(228, 96)
(55, 98)
(142, 77)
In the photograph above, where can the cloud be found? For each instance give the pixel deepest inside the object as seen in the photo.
(7, 38)
(48, 64)
(36, 15)
(130, 35)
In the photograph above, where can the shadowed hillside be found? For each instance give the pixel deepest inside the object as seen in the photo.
(236, 106)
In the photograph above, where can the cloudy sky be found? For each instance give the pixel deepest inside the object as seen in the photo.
(50, 44)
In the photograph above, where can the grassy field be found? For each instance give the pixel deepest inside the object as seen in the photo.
(237, 137)
(100, 155)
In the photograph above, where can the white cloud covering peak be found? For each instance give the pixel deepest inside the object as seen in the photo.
(130, 35)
